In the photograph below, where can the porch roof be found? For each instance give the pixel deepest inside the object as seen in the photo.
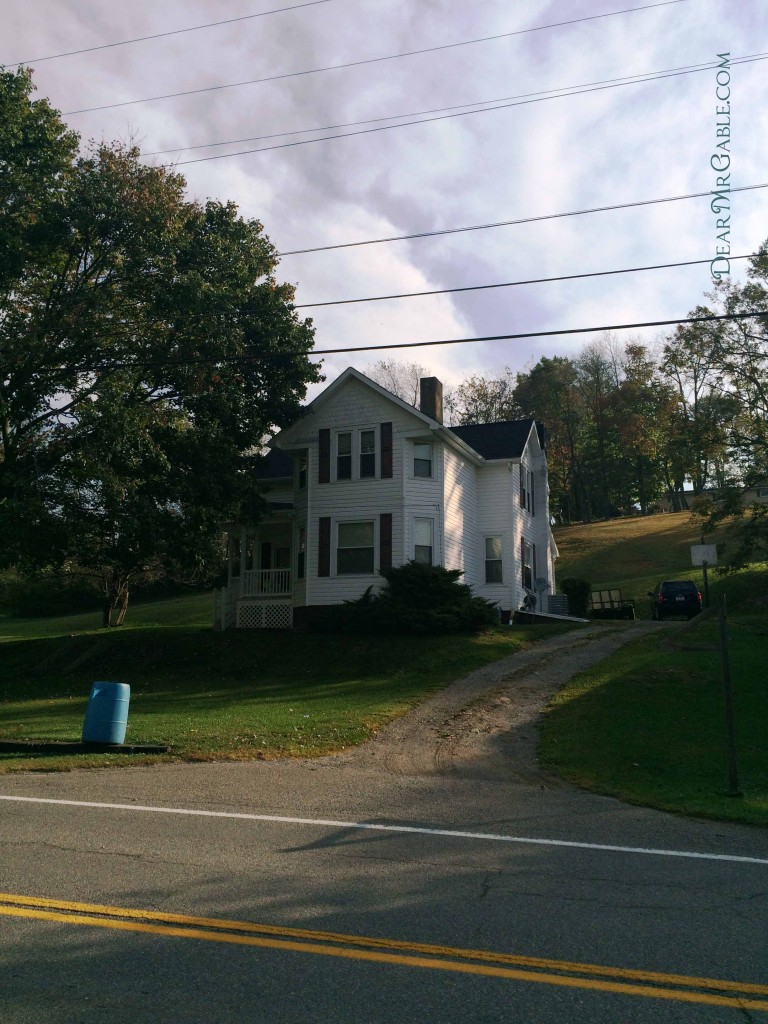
(275, 465)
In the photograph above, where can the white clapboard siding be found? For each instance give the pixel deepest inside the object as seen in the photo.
(461, 511)
(497, 497)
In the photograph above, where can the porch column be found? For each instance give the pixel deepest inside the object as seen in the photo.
(230, 550)
(243, 551)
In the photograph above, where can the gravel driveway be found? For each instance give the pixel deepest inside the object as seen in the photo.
(486, 723)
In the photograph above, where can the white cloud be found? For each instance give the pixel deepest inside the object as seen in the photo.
(611, 146)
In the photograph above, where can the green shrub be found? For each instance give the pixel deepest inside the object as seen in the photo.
(44, 594)
(578, 592)
(418, 598)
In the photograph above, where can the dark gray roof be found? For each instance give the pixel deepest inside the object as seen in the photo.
(275, 465)
(497, 440)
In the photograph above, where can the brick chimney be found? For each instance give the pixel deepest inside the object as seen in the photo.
(431, 398)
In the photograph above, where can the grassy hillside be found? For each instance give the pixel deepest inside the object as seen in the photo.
(632, 555)
(646, 725)
(191, 610)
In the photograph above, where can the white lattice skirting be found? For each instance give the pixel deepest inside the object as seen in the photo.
(264, 615)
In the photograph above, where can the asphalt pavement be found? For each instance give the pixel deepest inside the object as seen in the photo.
(343, 890)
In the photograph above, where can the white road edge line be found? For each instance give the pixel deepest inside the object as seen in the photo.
(453, 833)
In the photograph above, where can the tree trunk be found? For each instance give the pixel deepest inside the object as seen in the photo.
(123, 606)
(115, 600)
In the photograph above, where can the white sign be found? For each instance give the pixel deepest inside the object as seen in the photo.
(703, 554)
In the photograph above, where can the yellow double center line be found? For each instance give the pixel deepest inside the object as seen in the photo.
(648, 984)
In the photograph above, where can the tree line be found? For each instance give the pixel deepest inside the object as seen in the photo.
(627, 425)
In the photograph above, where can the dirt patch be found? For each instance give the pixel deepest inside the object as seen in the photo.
(486, 724)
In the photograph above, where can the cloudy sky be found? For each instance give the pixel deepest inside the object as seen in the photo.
(548, 147)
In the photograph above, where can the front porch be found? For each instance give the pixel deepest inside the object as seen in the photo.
(259, 590)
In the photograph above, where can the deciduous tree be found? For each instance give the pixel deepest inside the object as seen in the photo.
(146, 348)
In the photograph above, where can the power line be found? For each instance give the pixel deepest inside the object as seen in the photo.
(161, 35)
(512, 284)
(521, 220)
(564, 90)
(539, 334)
(245, 358)
(369, 60)
(519, 101)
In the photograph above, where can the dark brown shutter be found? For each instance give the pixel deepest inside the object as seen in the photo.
(324, 547)
(324, 467)
(385, 541)
(386, 451)
(522, 486)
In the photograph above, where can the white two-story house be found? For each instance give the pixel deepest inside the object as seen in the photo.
(364, 481)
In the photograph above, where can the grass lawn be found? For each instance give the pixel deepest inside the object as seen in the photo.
(647, 724)
(213, 696)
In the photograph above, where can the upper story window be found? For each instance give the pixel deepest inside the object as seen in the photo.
(302, 471)
(422, 460)
(526, 489)
(344, 456)
(357, 453)
(367, 453)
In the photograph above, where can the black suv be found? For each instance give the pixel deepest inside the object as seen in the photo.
(675, 597)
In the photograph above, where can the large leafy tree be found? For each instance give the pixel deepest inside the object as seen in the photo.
(484, 398)
(740, 357)
(146, 349)
(549, 393)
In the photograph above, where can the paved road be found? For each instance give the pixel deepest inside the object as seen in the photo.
(269, 901)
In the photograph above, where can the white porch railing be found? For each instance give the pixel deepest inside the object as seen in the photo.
(268, 602)
(265, 583)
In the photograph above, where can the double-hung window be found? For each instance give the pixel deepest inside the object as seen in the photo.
(526, 489)
(354, 548)
(356, 457)
(422, 460)
(367, 453)
(423, 540)
(302, 471)
(493, 561)
(528, 563)
(344, 456)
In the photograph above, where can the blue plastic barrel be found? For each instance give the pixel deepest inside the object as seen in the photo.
(106, 716)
